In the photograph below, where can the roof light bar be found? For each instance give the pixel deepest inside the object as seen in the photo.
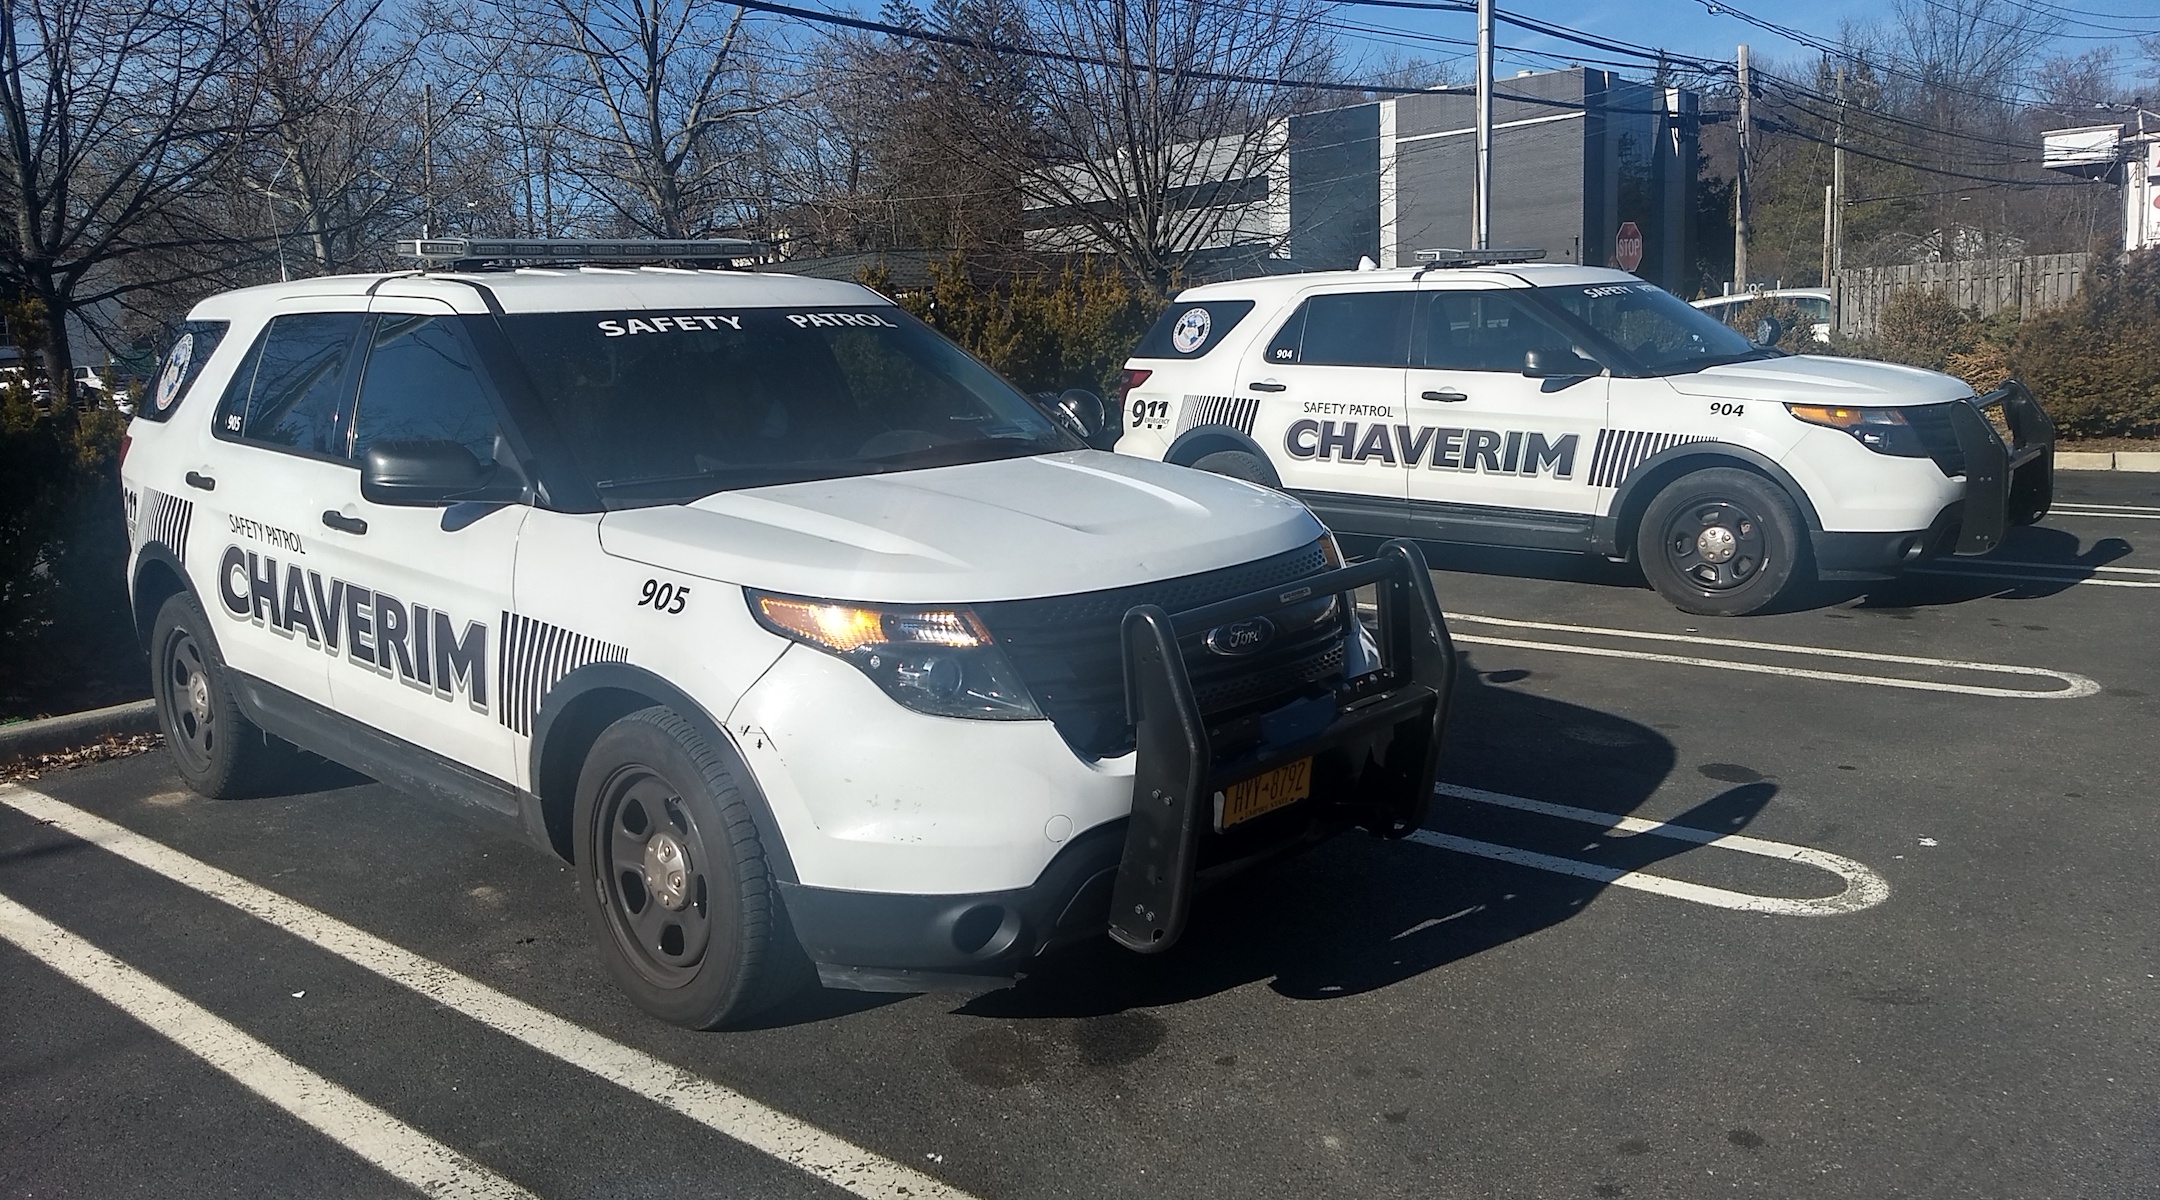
(582, 250)
(1449, 257)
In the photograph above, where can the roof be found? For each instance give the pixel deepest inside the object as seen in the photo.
(1512, 275)
(555, 289)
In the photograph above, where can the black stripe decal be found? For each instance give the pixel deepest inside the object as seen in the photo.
(1238, 412)
(1620, 451)
(535, 657)
(165, 522)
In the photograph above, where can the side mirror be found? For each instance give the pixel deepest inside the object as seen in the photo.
(1082, 412)
(1558, 364)
(423, 474)
(1769, 331)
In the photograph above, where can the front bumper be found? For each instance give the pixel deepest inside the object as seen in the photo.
(1375, 745)
(2008, 482)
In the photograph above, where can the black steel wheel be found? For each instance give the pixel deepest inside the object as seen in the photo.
(671, 870)
(218, 751)
(1722, 542)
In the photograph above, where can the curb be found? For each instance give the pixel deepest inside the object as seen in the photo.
(76, 729)
(2104, 460)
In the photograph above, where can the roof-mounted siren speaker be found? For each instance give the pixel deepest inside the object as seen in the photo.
(1449, 257)
(2088, 152)
(503, 252)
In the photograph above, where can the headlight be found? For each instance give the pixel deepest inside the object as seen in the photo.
(939, 661)
(1883, 430)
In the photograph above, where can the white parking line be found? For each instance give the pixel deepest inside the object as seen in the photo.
(2074, 685)
(795, 1142)
(2063, 573)
(2129, 512)
(405, 1153)
(1863, 887)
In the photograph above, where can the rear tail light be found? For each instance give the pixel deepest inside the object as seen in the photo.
(1132, 380)
(126, 440)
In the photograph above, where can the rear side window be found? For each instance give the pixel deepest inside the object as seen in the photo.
(420, 384)
(1190, 330)
(178, 367)
(291, 389)
(1353, 329)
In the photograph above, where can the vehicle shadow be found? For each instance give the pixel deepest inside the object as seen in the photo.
(2034, 563)
(1359, 914)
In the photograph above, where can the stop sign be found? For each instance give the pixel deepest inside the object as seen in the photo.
(1627, 247)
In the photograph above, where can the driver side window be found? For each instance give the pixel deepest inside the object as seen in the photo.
(1481, 331)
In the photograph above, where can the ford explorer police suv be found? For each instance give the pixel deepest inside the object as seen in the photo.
(804, 636)
(1484, 398)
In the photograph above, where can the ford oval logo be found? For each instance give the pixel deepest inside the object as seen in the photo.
(1249, 636)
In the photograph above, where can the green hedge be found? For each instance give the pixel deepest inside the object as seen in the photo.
(1043, 333)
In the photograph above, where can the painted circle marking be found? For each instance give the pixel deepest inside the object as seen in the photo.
(176, 367)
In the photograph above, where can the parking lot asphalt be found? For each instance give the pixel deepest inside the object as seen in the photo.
(1857, 899)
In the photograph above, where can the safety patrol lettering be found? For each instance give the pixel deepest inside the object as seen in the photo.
(425, 649)
(666, 324)
(281, 538)
(1513, 452)
(820, 320)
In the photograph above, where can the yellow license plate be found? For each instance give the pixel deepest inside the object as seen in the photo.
(1263, 793)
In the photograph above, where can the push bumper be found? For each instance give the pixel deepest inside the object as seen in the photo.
(1374, 745)
(2009, 481)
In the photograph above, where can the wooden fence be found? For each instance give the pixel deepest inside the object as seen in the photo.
(2028, 285)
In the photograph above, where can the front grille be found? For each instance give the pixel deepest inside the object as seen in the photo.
(1070, 649)
(1937, 436)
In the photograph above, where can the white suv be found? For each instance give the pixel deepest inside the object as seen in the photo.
(1485, 399)
(798, 631)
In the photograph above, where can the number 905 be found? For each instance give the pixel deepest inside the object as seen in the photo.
(664, 597)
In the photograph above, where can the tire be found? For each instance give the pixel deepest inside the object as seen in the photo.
(1236, 464)
(1723, 542)
(218, 751)
(710, 945)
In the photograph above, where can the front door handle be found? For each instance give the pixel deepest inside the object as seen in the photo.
(1445, 397)
(1267, 385)
(344, 524)
(196, 479)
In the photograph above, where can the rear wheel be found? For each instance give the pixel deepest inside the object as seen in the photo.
(674, 877)
(1237, 464)
(219, 752)
(1722, 542)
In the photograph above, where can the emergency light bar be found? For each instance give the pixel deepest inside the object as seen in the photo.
(568, 250)
(1451, 257)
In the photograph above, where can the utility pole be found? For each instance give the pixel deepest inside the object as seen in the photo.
(1741, 181)
(427, 160)
(1837, 208)
(1481, 209)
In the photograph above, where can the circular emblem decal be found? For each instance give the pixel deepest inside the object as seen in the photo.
(1190, 332)
(1248, 636)
(176, 366)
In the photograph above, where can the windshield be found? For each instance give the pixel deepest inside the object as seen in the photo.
(1662, 333)
(664, 407)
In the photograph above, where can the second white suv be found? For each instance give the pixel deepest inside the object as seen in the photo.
(1486, 400)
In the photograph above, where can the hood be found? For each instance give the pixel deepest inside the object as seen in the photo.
(1822, 379)
(1023, 527)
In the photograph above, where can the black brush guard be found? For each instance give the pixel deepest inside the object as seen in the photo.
(1374, 763)
(2006, 483)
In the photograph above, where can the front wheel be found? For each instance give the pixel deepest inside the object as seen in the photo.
(674, 878)
(1722, 542)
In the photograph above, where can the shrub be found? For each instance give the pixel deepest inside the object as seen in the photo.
(1045, 335)
(2095, 362)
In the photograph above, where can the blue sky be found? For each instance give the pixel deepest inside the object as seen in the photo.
(1689, 27)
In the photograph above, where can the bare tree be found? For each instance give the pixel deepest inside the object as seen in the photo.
(660, 92)
(114, 118)
(1160, 121)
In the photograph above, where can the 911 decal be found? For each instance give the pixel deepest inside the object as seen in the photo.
(1488, 451)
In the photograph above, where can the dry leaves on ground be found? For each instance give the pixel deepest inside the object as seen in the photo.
(32, 766)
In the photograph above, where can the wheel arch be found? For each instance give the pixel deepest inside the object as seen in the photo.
(1202, 440)
(1615, 535)
(591, 698)
(158, 577)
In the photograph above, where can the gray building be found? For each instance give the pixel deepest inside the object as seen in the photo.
(1576, 155)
